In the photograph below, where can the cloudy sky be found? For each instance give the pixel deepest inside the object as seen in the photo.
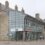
(31, 7)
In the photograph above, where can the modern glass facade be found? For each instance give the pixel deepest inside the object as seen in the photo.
(19, 21)
(11, 24)
(33, 30)
(18, 24)
(33, 26)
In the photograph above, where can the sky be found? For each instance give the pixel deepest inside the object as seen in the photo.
(31, 7)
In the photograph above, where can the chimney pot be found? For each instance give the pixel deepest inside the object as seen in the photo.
(22, 10)
(6, 4)
(37, 16)
(16, 8)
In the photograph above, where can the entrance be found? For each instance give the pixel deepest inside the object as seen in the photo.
(19, 35)
(32, 35)
(28, 35)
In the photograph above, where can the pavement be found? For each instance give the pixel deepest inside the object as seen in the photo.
(38, 42)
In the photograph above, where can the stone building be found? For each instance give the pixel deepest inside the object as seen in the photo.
(4, 14)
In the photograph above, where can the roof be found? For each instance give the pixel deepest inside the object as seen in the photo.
(34, 19)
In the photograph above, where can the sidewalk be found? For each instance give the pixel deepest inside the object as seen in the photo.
(38, 42)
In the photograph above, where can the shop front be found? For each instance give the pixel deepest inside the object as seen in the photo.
(27, 35)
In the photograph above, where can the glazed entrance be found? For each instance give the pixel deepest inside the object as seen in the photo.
(32, 35)
(27, 36)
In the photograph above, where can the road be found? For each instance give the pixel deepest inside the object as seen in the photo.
(39, 42)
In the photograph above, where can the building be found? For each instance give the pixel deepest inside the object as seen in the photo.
(3, 22)
(16, 25)
(4, 19)
(25, 25)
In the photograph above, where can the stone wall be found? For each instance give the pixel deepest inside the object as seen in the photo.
(3, 26)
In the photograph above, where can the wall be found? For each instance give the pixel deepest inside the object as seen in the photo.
(3, 26)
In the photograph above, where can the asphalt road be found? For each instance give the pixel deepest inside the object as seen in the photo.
(39, 42)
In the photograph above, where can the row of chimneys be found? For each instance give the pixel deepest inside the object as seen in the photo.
(16, 8)
(7, 6)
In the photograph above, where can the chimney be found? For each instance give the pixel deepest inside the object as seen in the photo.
(44, 20)
(6, 5)
(37, 16)
(16, 8)
(0, 7)
(22, 10)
